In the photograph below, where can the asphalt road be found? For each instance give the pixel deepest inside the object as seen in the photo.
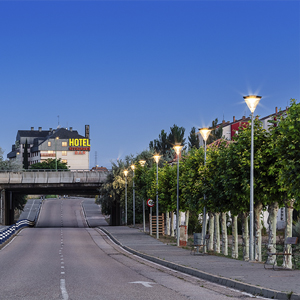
(64, 259)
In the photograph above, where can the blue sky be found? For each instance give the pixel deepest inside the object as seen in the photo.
(132, 68)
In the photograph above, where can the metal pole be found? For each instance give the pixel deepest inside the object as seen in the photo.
(133, 202)
(125, 200)
(177, 211)
(157, 229)
(150, 221)
(204, 210)
(144, 217)
(55, 157)
(251, 192)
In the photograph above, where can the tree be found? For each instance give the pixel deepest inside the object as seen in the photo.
(193, 139)
(25, 156)
(9, 165)
(50, 164)
(161, 145)
(176, 136)
(216, 132)
(288, 149)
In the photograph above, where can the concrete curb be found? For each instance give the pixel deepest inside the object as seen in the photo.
(254, 290)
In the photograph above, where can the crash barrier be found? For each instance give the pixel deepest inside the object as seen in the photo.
(7, 233)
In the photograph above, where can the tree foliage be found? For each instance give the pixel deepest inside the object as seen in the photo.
(50, 164)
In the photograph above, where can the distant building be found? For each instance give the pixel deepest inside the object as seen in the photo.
(66, 144)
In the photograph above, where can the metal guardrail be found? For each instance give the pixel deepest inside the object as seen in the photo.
(10, 231)
(6, 234)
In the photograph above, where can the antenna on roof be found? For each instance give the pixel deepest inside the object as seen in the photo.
(58, 121)
(96, 158)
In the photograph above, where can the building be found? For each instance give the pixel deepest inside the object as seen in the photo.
(61, 143)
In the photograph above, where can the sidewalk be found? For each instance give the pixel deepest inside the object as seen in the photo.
(249, 277)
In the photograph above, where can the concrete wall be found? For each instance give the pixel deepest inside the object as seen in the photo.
(52, 177)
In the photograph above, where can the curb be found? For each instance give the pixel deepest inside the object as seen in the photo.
(246, 287)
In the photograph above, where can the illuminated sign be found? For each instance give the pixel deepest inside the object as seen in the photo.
(79, 145)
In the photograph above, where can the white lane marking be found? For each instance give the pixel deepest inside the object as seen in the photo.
(144, 283)
(63, 289)
(30, 208)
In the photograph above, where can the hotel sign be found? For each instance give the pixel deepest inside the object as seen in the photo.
(79, 145)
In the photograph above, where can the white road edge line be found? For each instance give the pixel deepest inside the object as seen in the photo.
(63, 289)
(226, 287)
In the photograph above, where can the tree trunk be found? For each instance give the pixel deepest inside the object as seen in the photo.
(289, 206)
(172, 224)
(224, 235)
(168, 223)
(211, 232)
(187, 218)
(245, 236)
(235, 251)
(272, 222)
(257, 222)
(217, 233)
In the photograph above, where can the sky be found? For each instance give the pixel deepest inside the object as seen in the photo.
(132, 68)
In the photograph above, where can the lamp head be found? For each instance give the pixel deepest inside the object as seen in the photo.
(205, 133)
(156, 157)
(57, 138)
(142, 162)
(252, 101)
(132, 167)
(125, 173)
(177, 148)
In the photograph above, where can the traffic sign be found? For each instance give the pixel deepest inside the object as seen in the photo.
(150, 202)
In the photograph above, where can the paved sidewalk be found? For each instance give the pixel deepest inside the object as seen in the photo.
(246, 276)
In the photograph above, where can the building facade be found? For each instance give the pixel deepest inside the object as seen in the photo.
(61, 143)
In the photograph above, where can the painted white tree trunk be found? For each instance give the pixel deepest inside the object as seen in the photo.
(168, 223)
(257, 222)
(224, 234)
(217, 233)
(211, 232)
(235, 252)
(187, 218)
(272, 222)
(172, 224)
(289, 206)
(245, 236)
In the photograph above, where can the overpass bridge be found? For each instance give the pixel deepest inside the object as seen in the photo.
(46, 182)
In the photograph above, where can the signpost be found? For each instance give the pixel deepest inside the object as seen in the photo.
(150, 203)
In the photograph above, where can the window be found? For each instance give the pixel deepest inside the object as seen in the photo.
(64, 144)
(64, 161)
(49, 144)
(64, 153)
(50, 151)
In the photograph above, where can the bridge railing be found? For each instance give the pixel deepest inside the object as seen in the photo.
(52, 176)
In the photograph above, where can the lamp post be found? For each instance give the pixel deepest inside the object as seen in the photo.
(57, 138)
(133, 196)
(252, 102)
(125, 173)
(156, 158)
(177, 149)
(205, 134)
(142, 163)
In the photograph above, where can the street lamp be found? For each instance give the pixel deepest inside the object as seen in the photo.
(156, 158)
(133, 194)
(252, 102)
(205, 134)
(57, 138)
(177, 149)
(125, 173)
(142, 163)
